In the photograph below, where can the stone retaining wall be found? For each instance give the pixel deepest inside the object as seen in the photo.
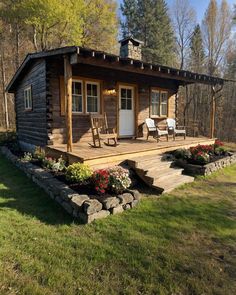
(84, 207)
(208, 168)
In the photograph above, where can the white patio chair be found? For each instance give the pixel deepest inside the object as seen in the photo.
(152, 128)
(171, 123)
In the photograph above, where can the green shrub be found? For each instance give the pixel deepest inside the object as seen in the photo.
(27, 157)
(39, 154)
(220, 151)
(182, 154)
(78, 173)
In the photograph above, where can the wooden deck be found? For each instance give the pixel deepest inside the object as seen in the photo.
(126, 149)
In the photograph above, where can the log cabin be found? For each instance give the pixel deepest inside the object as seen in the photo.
(56, 90)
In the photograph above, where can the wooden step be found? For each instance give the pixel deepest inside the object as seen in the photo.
(171, 183)
(164, 174)
(154, 165)
(159, 174)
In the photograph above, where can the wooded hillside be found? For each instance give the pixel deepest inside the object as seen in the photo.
(171, 36)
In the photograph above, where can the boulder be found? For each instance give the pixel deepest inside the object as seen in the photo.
(135, 194)
(85, 218)
(92, 206)
(78, 200)
(125, 198)
(110, 202)
(116, 210)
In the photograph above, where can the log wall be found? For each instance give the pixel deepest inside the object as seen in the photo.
(108, 78)
(31, 124)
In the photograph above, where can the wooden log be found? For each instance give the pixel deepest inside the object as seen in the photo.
(68, 99)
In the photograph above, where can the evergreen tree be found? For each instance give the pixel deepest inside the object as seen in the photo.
(197, 54)
(129, 10)
(148, 20)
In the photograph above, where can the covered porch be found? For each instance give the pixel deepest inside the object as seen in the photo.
(125, 150)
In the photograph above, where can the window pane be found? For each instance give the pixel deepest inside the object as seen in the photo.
(164, 109)
(129, 104)
(92, 104)
(77, 88)
(94, 90)
(123, 92)
(155, 96)
(129, 93)
(123, 104)
(164, 97)
(77, 103)
(89, 89)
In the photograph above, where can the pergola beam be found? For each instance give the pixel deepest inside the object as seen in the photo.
(68, 101)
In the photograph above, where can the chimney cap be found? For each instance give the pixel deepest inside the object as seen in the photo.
(133, 40)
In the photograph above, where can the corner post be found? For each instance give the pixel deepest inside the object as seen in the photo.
(68, 100)
(213, 111)
(176, 106)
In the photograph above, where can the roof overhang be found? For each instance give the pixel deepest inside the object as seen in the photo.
(102, 59)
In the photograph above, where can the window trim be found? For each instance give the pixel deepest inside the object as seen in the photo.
(82, 93)
(28, 89)
(160, 90)
(98, 92)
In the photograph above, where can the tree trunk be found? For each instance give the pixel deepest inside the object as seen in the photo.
(4, 92)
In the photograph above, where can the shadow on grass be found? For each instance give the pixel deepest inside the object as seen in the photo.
(20, 193)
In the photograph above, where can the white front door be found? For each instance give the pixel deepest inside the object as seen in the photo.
(126, 111)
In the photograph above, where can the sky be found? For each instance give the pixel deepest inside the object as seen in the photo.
(199, 5)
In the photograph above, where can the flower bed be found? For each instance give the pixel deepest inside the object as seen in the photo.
(84, 194)
(204, 159)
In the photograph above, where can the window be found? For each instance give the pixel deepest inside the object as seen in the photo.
(92, 97)
(77, 96)
(126, 99)
(159, 101)
(28, 98)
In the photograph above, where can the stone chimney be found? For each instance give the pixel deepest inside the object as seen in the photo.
(131, 48)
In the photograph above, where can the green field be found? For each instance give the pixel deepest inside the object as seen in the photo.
(180, 243)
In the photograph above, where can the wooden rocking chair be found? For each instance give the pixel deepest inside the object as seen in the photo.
(100, 131)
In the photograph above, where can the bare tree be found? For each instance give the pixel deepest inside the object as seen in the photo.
(184, 21)
(216, 27)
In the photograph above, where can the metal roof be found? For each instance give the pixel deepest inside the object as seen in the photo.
(127, 64)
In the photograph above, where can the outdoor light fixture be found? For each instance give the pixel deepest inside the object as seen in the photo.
(111, 91)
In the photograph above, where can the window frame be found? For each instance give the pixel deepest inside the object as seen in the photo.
(160, 91)
(98, 84)
(29, 99)
(82, 94)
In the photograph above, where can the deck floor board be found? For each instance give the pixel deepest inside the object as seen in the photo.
(126, 149)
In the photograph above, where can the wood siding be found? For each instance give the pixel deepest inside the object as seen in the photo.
(31, 124)
(109, 103)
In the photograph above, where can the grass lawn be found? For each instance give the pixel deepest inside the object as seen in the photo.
(181, 243)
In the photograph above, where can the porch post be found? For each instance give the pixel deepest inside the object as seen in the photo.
(213, 111)
(68, 101)
(176, 106)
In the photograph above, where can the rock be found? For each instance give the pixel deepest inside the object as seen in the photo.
(125, 198)
(135, 194)
(110, 202)
(116, 210)
(134, 203)
(85, 218)
(92, 206)
(78, 200)
(126, 206)
(67, 207)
